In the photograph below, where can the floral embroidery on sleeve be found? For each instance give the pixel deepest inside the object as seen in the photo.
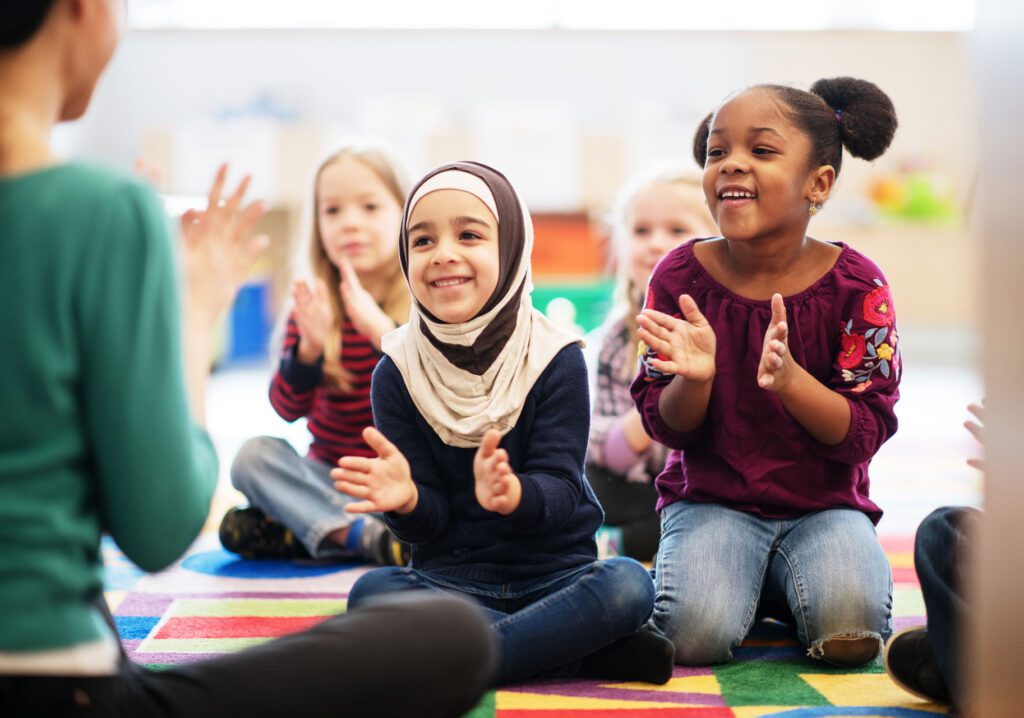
(876, 350)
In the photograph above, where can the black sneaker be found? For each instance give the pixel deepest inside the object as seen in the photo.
(252, 534)
(379, 545)
(910, 663)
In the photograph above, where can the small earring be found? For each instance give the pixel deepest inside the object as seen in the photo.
(813, 209)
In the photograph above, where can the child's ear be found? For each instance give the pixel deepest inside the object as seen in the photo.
(820, 184)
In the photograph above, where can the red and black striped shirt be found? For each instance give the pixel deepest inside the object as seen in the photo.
(336, 418)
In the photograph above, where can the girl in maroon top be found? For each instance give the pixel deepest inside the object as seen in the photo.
(331, 347)
(770, 368)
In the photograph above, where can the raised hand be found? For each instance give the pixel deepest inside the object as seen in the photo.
(218, 251)
(776, 367)
(384, 483)
(685, 347)
(360, 306)
(497, 488)
(977, 429)
(313, 316)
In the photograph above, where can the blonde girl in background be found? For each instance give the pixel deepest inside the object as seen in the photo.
(331, 347)
(653, 214)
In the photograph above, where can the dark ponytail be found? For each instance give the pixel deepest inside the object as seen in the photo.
(20, 20)
(836, 113)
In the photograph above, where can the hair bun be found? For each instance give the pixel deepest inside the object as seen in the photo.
(866, 116)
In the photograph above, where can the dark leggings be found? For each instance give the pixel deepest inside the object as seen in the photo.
(398, 656)
(941, 553)
(629, 506)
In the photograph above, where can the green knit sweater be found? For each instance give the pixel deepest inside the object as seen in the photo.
(95, 432)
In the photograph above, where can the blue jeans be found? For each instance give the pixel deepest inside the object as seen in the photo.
(717, 567)
(546, 625)
(296, 491)
(941, 552)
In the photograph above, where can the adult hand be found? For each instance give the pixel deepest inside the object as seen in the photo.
(218, 250)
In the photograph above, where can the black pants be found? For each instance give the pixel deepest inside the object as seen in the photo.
(399, 656)
(941, 553)
(629, 506)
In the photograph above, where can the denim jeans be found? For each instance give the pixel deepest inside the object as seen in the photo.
(546, 625)
(941, 550)
(296, 491)
(718, 569)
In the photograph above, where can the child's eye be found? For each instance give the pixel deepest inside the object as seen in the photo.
(421, 241)
(370, 207)
(680, 230)
(466, 234)
(641, 231)
(763, 151)
(331, 209)
(715, 152)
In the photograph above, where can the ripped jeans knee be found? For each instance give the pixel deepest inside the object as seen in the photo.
(849, 649)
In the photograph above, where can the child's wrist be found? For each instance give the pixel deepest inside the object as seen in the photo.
(409, 506)
(308, 353)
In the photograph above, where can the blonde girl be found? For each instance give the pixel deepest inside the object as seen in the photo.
(331, 346)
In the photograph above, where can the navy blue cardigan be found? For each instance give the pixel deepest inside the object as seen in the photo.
(553, 527)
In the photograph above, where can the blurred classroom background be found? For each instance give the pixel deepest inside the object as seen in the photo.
(570, 99)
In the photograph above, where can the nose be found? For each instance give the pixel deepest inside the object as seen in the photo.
(445, 251)
(733, 164)
(350, 218)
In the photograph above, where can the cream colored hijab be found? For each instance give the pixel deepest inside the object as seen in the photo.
(473, 376)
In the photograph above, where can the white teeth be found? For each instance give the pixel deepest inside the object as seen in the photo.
(449, 282)
(737, 194)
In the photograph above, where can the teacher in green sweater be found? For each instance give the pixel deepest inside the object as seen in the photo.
(102, 429)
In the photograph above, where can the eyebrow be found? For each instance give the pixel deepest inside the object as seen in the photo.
(752, 131)
(460, 221)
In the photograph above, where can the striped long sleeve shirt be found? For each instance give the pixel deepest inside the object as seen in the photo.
(335, 418)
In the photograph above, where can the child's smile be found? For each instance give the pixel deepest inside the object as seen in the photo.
(453, 254)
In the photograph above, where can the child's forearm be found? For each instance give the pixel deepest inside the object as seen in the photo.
(823, 413)
(683, 404)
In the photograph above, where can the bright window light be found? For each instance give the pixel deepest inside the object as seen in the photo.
(742, 15)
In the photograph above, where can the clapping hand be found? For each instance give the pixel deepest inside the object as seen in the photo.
(497, 488)
(685, 347)
(383, 483)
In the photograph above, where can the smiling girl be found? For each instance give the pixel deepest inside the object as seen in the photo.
(481, 413)
(771, 370)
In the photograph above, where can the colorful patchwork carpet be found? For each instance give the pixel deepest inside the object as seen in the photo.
(212, 602)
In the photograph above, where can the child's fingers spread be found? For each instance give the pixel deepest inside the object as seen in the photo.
(359, 491)
(363, 478)
(690, 310)
(778, 308)
(355, 463)
(659, 345)
(361, 507)
(235, 201)
(250, 216)
(379, 443)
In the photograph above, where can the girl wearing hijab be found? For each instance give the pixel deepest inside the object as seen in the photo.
(481, 413)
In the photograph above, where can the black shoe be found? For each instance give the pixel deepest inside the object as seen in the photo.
(252, 534)
(379, 545)
(910, 663)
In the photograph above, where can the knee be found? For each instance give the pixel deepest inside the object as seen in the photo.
(849, 651)
(250, 462)
(375, 583)
(631, 591)
(700, 638)
(936, 535)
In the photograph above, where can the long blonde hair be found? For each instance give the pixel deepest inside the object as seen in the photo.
(627, 298)
(395, 302)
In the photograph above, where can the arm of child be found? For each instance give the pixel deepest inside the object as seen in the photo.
(823, 413)
(865, 376)
(292, 390)
(366, 315)
(383, 484)
(551, 476)
(394, 414)
(673, 389)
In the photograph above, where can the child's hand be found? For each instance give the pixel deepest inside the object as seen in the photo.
(314, 317)
(497, 488)
(218, 251)
(383, 484)
(684, 347)
(360, 306)
(776, 367)
(977, 429)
